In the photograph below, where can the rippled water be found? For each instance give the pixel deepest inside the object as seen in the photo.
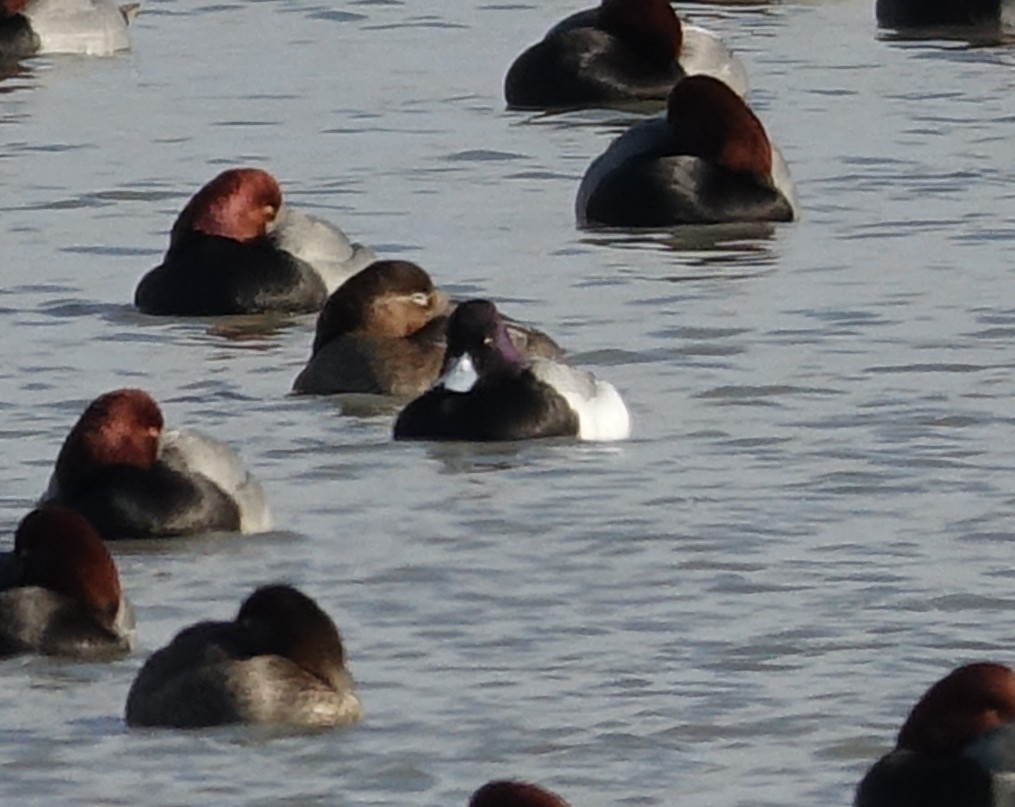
(736, 607)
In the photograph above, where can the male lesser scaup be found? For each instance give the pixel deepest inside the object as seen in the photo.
(488, 391)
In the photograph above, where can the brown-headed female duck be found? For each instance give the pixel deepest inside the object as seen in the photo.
(87, 27)
(61, 592)
(488, 391)
(708, 161)
(236, 249)
(956, 748)
(620, 51)
(507, 793)
(382, 332)
(132, 479)
(280, 661)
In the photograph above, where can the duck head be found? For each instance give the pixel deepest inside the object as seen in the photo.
(710, 121)
(650, 25)
(239, 204)
(285, 622)
(8, 8)
(390, 299)
(122, 427)
(60, 550)
(515, 794)
(959, 708)
(478, 346)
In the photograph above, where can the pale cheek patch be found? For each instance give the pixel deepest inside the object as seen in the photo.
(461, 376)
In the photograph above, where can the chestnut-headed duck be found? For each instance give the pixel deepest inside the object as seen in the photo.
(621, 51)
(708, 161)
(236, 248)
(87, 27)
(132, 479)
(515, 794)
(956, 747)
(382, 332)
(488, 391)
(280, 661)
(902, 14)
(61, 593)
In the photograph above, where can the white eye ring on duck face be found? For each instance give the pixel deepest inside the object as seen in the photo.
(420, 298)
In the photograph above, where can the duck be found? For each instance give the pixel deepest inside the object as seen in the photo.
(709, 160)
(955, 748)
(131, 478)
(236, 248)
(61, 593)
(382, 333)
(622, 51)
(488, 391)
(280, 661)
(901, 14)
(86, 27)
(508, 793)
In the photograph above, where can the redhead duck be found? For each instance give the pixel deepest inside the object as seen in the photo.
(280, 661)
(131, 479)
(488, 391)
(88, 27)
(620, 51)
(61, 594)
(515, 794)
(708, 161)
(236, 249)
(382, 332)
(931, 13)
(955, 748)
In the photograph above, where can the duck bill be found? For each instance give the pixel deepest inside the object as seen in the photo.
(460, 375)
(442, 305)
(278, 221)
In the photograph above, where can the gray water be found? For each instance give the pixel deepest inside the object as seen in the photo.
(812, 521)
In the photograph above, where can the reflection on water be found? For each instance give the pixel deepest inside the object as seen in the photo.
(465, 458)
(364, 406)
(739, 237)
(249, 328)
(974, 36)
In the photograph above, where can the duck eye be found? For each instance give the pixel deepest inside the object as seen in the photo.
(487, 340)
(419, 298)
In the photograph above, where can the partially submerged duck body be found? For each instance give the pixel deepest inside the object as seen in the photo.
(708, 161)
(132, 479)
(236, 248)
(908, 14)
(488, 391)
(281, 661)
(61, 594)
(86, 27)
(622, 51)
